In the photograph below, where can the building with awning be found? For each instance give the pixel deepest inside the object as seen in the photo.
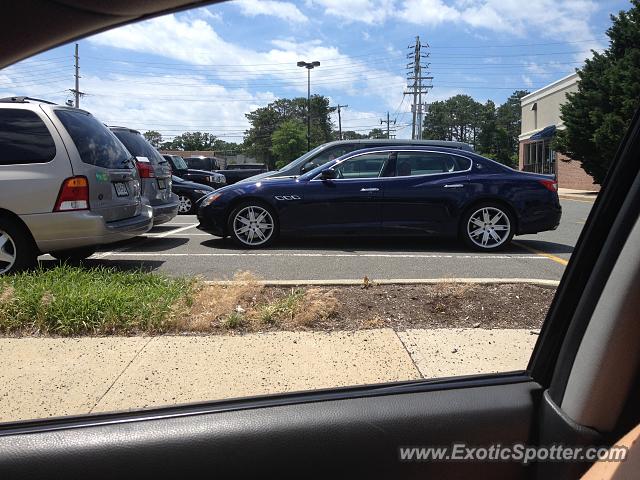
(540, 121)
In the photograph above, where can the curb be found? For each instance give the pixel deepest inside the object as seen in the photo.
(391, 281)
(581, 198)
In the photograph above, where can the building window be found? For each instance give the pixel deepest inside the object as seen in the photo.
(539, 157)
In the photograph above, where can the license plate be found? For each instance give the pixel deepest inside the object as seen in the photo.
(162, 184)
(121, 189)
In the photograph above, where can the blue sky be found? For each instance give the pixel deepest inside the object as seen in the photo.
(205, 68)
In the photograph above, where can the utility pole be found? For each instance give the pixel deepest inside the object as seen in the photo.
(416, 87)
(340, 120)
(76, 91)
(388, 122)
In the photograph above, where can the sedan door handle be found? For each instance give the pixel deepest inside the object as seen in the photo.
(369, 189)
(454, 185)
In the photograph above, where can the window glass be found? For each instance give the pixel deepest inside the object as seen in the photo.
(95, 143)
(180, 163)
(24, 138)
(138, 146)
(334, 152)
(364, 166)
(426, 163)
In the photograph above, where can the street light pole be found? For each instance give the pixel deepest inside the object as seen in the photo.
(309, 66)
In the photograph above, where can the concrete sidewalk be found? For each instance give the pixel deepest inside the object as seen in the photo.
(44, 377)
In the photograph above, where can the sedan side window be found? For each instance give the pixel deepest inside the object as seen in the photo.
(364, 166)
(427, 163)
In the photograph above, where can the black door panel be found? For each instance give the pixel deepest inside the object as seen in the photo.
(357, 437)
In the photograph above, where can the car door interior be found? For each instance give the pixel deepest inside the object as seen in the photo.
(580, 387)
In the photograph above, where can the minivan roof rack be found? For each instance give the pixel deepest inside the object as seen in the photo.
(24, 99)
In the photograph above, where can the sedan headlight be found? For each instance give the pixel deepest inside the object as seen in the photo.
(220, 178)
(202, 192)
(210, 199)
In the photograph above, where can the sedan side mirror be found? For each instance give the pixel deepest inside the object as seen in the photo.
(307, 167)
(328, 174)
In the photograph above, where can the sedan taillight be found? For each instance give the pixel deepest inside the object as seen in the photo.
(145, 170)
(551, 185)
(74, 195)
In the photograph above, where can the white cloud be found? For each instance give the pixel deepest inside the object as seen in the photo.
(283, 10)
(565, 20)
(427, 12)
(195, 42)
(367, 11)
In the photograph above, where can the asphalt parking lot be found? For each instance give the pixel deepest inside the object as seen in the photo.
(179, 248)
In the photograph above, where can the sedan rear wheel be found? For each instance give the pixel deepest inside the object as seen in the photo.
(487, 227)
(185, 205)
(252, 225)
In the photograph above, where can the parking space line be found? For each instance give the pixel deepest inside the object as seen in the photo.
(162, 235)
(550, 256)
(175, 230)
(337, 255)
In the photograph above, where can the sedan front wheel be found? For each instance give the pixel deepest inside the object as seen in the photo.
(487, 226)
(253, 225)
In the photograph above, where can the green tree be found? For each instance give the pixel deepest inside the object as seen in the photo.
(154, 137)
(288, 141)
(492, 131)
(598, 114)
(192, 141)
(351, 135)
(265, 120)
(377, 133)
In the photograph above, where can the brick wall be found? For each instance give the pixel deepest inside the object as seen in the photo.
(571, 175)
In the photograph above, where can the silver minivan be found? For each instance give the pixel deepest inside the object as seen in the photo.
(67, 184)
(155, 174)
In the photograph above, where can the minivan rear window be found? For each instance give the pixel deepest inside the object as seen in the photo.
(94, 142)
(24, 138)
(139, 146)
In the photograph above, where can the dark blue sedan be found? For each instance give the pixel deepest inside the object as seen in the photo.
(395, 190)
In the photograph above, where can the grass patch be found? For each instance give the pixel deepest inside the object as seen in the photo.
(284, 308)
(70, 300)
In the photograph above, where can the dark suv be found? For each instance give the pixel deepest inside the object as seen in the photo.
(182, 170)
(155, 174)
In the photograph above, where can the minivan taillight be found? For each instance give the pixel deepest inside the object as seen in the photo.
(551, 185)
(145, 170)
(74, 195)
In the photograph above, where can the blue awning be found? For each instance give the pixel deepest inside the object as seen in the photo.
(546, 132)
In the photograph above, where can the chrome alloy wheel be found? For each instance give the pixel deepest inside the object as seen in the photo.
(184, 204)
(253, 225)
(488, 227)
(7, 252)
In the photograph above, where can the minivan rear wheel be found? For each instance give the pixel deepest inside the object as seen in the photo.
(17, 251)
(74, 255)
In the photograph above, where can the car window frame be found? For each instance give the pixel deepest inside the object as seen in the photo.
(338, 162)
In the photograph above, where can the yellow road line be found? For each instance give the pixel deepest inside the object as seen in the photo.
(550, 256)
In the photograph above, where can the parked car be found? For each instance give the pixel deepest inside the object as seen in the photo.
(328, 151)
(180, 168)
(389, 190)
(189, 193)
(232, 173)
(66, 184)
(155, 174)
